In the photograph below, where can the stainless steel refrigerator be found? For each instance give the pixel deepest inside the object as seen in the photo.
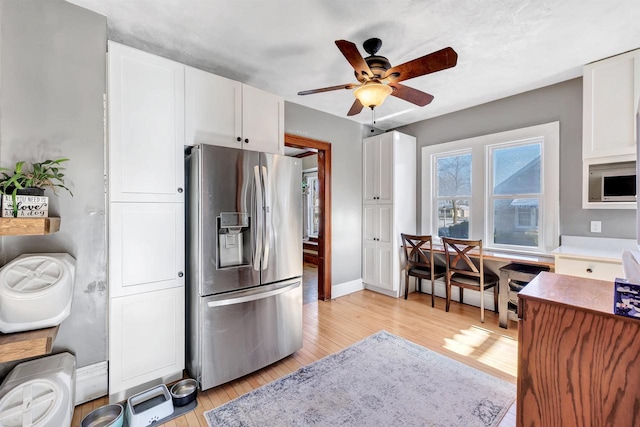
(244, 292)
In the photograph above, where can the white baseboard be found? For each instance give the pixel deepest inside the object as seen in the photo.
(346, 288)
(92, 382)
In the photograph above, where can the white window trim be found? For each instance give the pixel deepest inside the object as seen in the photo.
(550, 132)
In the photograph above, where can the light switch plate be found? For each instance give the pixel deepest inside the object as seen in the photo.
(596, 226)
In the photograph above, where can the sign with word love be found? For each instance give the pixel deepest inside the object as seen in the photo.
(28, 206)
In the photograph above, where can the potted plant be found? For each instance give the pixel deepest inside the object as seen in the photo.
(32, 181)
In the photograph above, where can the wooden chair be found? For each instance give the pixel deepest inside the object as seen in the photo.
(463, 273)
(418, 263)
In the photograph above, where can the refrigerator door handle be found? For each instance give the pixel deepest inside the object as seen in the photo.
(257, 227)
(267, 218)
(253, 296)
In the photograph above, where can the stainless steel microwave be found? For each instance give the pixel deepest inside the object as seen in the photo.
(618, 185)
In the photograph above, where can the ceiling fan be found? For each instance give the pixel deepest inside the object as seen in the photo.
(378, 79)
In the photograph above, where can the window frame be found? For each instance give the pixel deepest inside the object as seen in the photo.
(549, 214)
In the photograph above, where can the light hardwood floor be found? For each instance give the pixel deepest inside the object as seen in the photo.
(331, 326)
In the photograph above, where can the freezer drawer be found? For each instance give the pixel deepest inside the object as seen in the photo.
(244, 331)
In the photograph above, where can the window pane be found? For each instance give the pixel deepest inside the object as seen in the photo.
(454, 175)
(515, 222)
(516, 170)
(453, 218)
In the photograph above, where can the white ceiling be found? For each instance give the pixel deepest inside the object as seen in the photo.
(504, 47)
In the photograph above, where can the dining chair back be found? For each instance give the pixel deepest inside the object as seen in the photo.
(419, 262)
(462, 272)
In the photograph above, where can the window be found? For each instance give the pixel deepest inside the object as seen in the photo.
(311, 203)
(502, 188)
(453, 194)
(515, 194)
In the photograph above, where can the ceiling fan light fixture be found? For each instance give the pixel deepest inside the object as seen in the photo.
(372, 94)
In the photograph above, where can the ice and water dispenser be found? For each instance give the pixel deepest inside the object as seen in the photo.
(234, 248)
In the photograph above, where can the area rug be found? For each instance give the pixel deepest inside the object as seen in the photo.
(383, 380)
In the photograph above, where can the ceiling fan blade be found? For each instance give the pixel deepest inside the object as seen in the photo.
(436, 61)
(350, 51)
(355, 108)
(410, 94)
(327, 89)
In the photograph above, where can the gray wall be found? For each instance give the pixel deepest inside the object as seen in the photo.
(560, 102)
(345, 137)
(52, 65)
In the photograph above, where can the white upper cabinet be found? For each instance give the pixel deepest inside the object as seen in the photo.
(262, 121)
(611, 89)
(224, 112)
(378, 169)
(146, 127)
(213, 109)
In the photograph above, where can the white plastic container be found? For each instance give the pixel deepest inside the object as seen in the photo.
(41, 390)
(36, 291)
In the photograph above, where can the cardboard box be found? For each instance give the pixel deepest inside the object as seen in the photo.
(28, 206)
(626, 301)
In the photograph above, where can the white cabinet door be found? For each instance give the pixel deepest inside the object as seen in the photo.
(146, 247)
(146, 338)
(370, 155)
(384, 267)
(370, 263)
(377, 258)
(378, 169)
(385, 168)
(213, 109)
(262, 121)
(146, 126)
(610, 96)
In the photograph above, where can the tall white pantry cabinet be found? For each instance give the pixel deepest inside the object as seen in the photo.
(389, 208)
(146, 220)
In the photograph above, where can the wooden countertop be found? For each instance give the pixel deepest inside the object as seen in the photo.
(488, 254)
(588, 294)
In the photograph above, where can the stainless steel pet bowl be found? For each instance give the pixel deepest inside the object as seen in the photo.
(105, 416)
(184, 392)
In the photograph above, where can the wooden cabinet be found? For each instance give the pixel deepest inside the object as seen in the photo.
(150, 341)
(146, 127)
(224, 112)
(389, 206)
(146, 220)
(578, 363)
(611, 90)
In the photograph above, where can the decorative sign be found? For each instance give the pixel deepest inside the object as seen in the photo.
(28, 206)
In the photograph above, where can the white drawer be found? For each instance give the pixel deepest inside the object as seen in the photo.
(600, 270)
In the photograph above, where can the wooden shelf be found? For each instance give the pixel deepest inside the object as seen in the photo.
(28, 226)
(23, 345)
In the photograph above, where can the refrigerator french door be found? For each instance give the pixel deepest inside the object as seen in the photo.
(244, 302)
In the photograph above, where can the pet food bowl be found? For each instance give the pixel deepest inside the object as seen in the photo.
(105, 416)
(184, 392)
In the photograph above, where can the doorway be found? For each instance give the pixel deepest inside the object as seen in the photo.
(323, 151)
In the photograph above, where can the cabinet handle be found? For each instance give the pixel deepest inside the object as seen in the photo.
(246, 140)
(238, 139)
(180, 190)
(180, 274)
(589, 270)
